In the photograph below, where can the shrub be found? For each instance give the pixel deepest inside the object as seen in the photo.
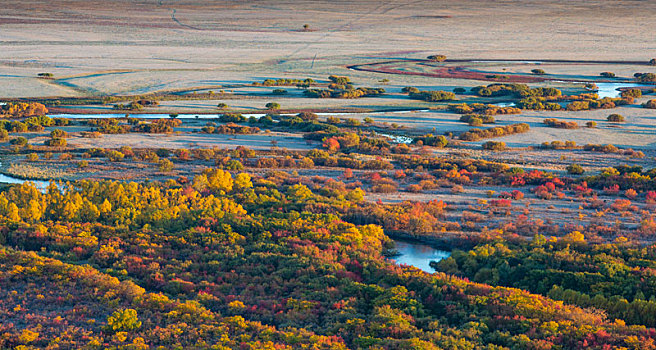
(649, 104)
(279, 92)
(559, 145)
(517, 194)
(115, 156)
(630, 193)
(61, 121)
(57, 133)
(21, 109)
(232, 118)
(561, 124)
(481, 108)
(457, 189)
(459, 90)
(222, 106)
(32, 157)
(432, 140)
(158, 126)
(272, 106)
(437, 58)
(286, 82)
(615, 118)
(477, 119)
(499, 131)
(165, 165)
(123, 320)
(163, 152)
(591, 124)
(340, 80)
(433, 96)
(601, 148)
(494, 145)
(66, 156)
(621, 204)
(501, 203)
(575, 169)
(538, 71)
(230, 129)
(651, 197)
(578, 106)
(607, 74)
(19, 141)
(342, 92)
(410, 89)
(384, 188)
(91, 134)
(132, 106)
(652, 62)
(635, 93)
(56, 142)
(308, 116)
(645, 77)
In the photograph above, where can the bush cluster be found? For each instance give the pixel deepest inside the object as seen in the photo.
(499, 131)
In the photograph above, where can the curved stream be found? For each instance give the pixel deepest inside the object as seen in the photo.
(6, 179)
(613, 89)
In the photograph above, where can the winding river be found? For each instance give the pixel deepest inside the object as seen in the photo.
(613, 89)
(214, 116)
(6, 179)
(40, 184)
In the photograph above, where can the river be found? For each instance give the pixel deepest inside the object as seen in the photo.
(6, 179)
(40, 184)
(418, 254)
(613, 89)
(217, 115)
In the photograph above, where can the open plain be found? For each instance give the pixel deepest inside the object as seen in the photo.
(328, 174)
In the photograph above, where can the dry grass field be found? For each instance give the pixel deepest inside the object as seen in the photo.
(116, 46)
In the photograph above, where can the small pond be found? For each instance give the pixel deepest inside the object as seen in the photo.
(418, 254)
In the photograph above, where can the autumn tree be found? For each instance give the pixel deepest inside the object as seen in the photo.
(123, 320)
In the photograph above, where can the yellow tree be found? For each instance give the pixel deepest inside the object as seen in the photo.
(243, 181)
(12, 212)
